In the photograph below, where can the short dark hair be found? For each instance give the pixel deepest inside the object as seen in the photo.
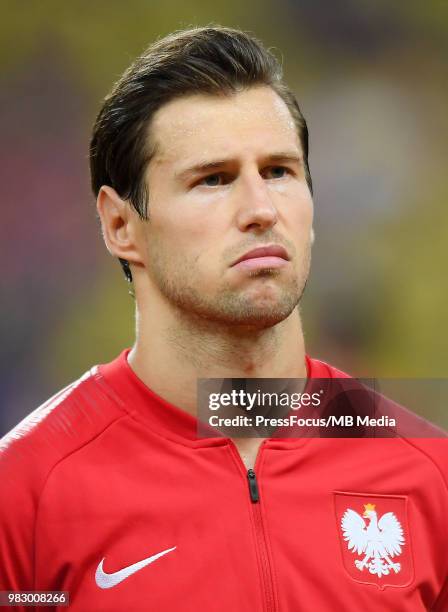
(211, 60)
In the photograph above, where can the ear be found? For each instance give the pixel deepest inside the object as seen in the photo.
(119, 224)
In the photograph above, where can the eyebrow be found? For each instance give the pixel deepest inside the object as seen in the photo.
(202, 167)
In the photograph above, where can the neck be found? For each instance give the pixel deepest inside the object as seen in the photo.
(171, 352)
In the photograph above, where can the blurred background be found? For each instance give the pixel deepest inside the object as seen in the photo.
(371, 79)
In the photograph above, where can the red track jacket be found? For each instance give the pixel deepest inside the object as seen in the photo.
(106, 493)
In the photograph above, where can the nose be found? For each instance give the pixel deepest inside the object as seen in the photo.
(255, 209)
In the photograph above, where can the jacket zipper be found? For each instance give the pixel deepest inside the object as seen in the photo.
(253, 486)
(262, 547)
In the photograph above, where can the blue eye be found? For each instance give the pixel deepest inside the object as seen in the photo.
(277, 172)
(213, 180)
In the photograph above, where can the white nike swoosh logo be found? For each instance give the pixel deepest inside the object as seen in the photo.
(106, 581)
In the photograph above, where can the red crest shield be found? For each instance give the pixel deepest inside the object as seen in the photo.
(374, 535)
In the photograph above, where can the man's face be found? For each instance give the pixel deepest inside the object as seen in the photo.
(227, 178)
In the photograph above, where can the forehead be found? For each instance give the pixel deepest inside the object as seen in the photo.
(255, 120)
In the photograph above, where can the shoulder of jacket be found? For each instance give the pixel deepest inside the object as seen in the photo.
(422, 437)
(67, 421)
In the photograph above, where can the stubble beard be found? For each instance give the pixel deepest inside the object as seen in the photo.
(230, 306)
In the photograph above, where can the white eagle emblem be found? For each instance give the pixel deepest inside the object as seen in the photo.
(380, 541)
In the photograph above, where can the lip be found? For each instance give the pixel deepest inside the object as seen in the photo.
(272, 252)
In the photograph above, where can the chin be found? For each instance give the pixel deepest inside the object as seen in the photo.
(263, 316)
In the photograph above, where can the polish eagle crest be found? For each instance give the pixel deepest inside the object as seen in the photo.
(379, 541)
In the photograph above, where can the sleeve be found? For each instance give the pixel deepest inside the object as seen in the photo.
(17, 519)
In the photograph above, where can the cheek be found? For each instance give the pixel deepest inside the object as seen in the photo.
(183, 242)
(295, 204)
(306, 206)
(309, 212)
